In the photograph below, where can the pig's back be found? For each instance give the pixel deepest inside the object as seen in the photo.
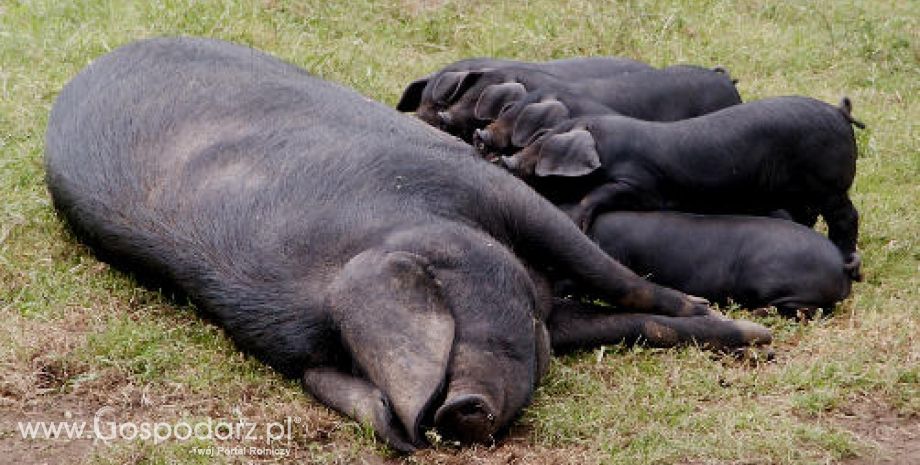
(235, 177)
(206, 142)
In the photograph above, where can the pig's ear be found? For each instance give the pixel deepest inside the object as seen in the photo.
(569, 154)
(452, 84)
(535, 117)
(412, 96)
(390, 314)
(495, 97)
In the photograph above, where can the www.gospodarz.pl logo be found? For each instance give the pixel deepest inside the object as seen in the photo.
(105, 428)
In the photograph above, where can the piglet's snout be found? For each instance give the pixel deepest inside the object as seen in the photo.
(482, 139)
(446, 119)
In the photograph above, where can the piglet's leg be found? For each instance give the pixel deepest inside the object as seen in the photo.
(358, 399)
(576, 325)
(842, 229)
(599, 199)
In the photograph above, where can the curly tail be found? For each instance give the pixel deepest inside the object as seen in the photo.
(846, 107)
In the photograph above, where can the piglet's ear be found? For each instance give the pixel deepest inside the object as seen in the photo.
(535, 117)
(569, 154)
(495, 97)
(412, 95)
(392, 319)
(452, 84)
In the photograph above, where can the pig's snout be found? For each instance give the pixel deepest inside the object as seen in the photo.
(482, 142)
(482, 139)
(468, 419)
(446, 118)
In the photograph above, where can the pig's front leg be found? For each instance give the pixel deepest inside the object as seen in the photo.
(360, 400)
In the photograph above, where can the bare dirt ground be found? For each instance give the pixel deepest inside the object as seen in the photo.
(896, 438)
(40, 386)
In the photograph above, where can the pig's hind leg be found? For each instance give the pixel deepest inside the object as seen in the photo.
(843, 229)
(578, 325)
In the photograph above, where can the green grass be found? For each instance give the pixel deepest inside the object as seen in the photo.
(77, 333)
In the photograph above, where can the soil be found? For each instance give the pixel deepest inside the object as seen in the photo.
(895, 438)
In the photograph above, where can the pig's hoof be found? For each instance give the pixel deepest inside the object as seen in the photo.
(698, 306)
(754, 355)
(713, 313)
(388, 428)
(467, 419)
(584, 223)
(752, 334)
(582, 218)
